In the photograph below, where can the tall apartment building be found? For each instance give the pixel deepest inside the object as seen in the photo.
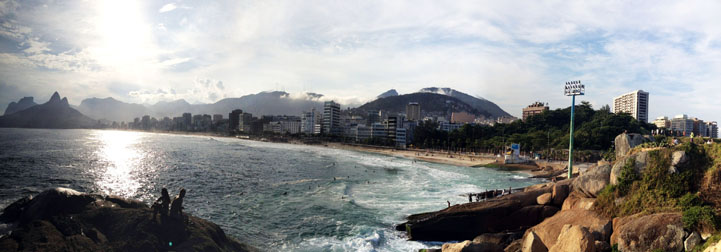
(534, 109)
(634, 103)
(234, 119)
(699, 127)
(682, 124)
(331, 118)
(308, 121)
(413, 111)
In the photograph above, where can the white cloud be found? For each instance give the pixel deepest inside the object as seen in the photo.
(167, 8)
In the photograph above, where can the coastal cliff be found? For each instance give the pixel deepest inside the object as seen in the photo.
(652, 197)
(62, 219)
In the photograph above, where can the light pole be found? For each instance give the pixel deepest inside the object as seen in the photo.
(572, 89)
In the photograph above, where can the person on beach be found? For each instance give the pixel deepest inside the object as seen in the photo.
(161, 205)
(449, 203)
(176, 208)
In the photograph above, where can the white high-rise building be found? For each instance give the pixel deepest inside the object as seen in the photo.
(634, 103)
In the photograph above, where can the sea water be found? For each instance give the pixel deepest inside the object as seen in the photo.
(277, 197)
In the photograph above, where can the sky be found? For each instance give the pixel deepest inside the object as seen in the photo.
(510, 52)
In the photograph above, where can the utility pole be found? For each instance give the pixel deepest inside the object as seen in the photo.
(572, 89)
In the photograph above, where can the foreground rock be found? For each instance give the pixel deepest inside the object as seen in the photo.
(662, 231)
(590, 183)
(549, 230)
(514, 212)
(574, 238)
(66, 220)
(625, 142)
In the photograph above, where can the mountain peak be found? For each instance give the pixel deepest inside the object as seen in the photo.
(388, 93)
(55, 97)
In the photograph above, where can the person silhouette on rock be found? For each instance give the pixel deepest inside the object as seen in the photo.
(176, 208)
(161, 205)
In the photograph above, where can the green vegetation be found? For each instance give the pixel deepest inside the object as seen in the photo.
(657, 189)
(595, 130)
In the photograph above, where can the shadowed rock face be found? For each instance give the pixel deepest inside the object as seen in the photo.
(66, 220)
(23, 104)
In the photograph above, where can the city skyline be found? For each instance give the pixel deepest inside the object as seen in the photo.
(144, 52)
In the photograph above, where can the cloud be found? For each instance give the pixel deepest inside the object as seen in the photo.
(167, 8)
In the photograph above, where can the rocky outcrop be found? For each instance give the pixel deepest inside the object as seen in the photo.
(678, 159)
(23, 104)
(533, 243)
(591, 182)
(516, 211)
(577, 200)
(574, 238)
(549, 229)
(66, 220)
(544, 199)
(640, 160)
(471, 246)
(559, 194)
(625, 142)
(711, 248)
(663, 231)
(54, 114)
(693, 240)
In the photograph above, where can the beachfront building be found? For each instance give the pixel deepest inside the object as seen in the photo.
(308, 121)
(331, 118)
(234, 119)
(413, 111)
(446, 126)
(372, 116)
(534, 109)
(662, 122)
(634, 103)
(699, 127)
(682, 124)
(712, 129)
(400, 138)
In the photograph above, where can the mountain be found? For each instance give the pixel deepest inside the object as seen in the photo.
(54, 114)
(430, 103)
(476, 102)
(388, 93)
(111, 109)
(23, 104)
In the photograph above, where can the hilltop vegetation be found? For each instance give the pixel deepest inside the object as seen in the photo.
(594, 130)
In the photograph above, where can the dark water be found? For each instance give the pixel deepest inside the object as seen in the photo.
(278, 197)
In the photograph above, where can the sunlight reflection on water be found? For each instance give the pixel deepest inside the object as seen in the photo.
(122, 163)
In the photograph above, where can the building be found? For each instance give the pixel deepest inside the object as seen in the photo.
(682, 125)
(391, 125)
(699, 127)
(245, 123)
(378, 130)
(534, 109)
(234, 120)
(662, 122)
(308, 121)
(187, 121)
(217, 118)
(445, 126)
(373, 116)
(462, 117)
(413, 111)
(634, 103)
(331, 118)
(712, 129)
(400, 139)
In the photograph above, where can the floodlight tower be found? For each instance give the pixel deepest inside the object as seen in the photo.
(572, 89)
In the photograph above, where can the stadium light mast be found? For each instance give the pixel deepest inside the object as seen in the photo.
(572, 89)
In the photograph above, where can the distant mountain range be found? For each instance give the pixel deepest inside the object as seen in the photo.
(54, 114)
(438, 100)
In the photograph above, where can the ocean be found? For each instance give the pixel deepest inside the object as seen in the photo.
(277, 197)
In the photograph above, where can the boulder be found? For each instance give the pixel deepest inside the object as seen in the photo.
(678, 159)
(499, 240)
(602, 246)
(466, 221)
(515, 246)
(693, 240)
(591, 182)
(66, 220)
(640, 164)
(716, 247)
(577, 200)
(549, 229)
(574, 238)
(544, 199)
(559, 194)
(533, 243)
(662, 231)
(625, 142)
(471, 246)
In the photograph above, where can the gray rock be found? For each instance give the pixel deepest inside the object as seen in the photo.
(692, 241)
(663, 231)
(640, 165)
(625, 142)
(679, 158)
(593, 181)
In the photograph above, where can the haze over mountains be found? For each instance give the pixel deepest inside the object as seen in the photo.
(438, 100)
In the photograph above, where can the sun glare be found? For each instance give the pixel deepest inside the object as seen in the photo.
(124, 36)
(122, 161)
